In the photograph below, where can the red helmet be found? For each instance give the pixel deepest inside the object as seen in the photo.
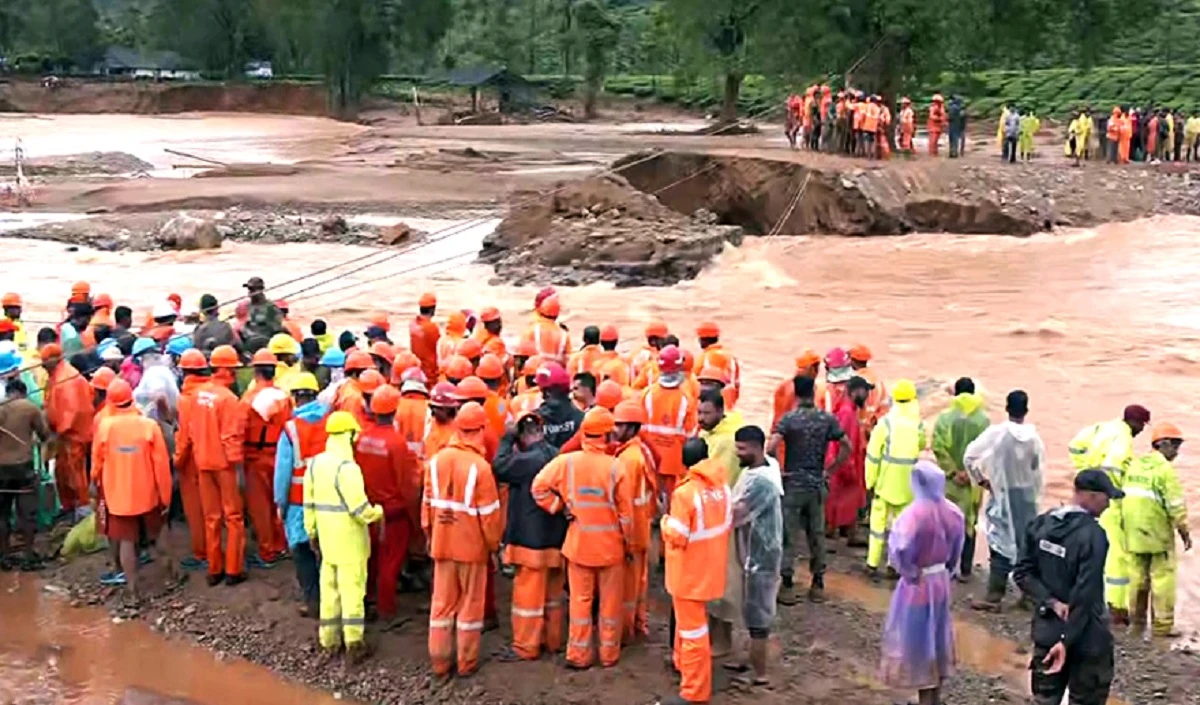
(444, 394)
(837, 358)
(670, 360)
(413, 380)
(552, 375)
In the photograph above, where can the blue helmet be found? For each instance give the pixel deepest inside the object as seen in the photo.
(104, 346)
(178, 345)
(142, 345)
(333, 357)
(9, 361)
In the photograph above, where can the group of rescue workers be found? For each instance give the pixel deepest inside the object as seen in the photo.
(1130, 133)
(854, 123)
(364, 460)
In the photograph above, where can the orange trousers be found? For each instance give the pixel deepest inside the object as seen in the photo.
(906, 140)
(458, 591)
(193, 509)
(934, 137)
(584, 581)
(693, 650)
(1123, 150)
(71, 474)
(636, 608)
(222, 503)
(537, 610)
(260, 505)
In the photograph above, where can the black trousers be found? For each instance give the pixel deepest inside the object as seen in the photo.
(1089, 679)
(308, 572)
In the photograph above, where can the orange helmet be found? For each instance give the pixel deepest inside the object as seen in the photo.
(549, 306)
(609, 394)
(808, 358)
(1164, 430)
(656, 329)
(193, 360)
(630, 412)
(456, 323)
(444, 394)
(609, 334)
(103, 377)
(383, 351)
(689, 360)
(458, 367)
(490, 367)
(860, 353)
(470, 417)
(708, 329)
(385, 401)
(82, 289)
(380, 320)
(489, 314)
(102, 301)
(531, 366)
(470, 348)
(526, 348)
(264, 358)
(403, 362)
(712, 374)
(472, 388)
(371, 380)
(597, 422)
(119, 392)
(224, 357)
(11, 299)
(427, 300)
(359, 360)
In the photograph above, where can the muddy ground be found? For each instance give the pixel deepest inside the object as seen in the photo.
(821, 653)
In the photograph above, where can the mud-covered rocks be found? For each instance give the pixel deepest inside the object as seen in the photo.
(602, 229)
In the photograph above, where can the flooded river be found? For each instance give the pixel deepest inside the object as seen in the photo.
(1086, 322)
(53, 653)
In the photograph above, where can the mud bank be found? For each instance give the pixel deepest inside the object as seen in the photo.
(797, 194)
(257, 621)
(160, 98)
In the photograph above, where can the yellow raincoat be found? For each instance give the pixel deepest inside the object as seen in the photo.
(1153, 510)
(892, 452)
(1109, 445)
(336, 515)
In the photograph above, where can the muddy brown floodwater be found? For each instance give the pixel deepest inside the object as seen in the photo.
(54, 653)
(1086, 321)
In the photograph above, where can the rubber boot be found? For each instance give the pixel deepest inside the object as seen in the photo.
(994, 598)
(787, 594)
(1141, 609)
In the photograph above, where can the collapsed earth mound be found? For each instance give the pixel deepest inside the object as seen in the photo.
(602, 229)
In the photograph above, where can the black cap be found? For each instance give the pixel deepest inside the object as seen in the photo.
(374, 333)
(208, 301)
(255, 284)
(1096, 480)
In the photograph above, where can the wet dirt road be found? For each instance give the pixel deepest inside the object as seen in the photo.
(54, 653)
(1085, 321)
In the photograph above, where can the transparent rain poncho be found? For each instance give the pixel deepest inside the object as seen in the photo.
(158, 382)
(1010, 456)
(758, 540)
(924, 547)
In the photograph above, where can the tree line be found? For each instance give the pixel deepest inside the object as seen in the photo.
(884, 46)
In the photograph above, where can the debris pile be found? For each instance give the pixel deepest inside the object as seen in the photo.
(602, 229)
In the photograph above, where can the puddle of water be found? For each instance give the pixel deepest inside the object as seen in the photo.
(53, 652)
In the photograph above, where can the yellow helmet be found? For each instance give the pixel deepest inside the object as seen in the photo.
(303, 381)
(904, 390)
(341, 422)
(283, 344)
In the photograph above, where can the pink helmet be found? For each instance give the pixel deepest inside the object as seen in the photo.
(552, 375)
(837, 358)
(670, 360)
(413, 380)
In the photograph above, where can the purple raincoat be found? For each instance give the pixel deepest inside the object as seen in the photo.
(924, 547)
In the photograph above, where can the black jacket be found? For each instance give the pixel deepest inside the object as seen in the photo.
(529, 526)
(1063, 558)
(561, 419)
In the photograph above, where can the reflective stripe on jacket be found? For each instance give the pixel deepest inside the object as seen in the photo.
(696, 533)
(892, 452)
(590, 485)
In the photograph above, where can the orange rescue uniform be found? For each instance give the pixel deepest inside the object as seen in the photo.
(130, 464)
(461, 515)
(69, 414)
(696, 538)
(640, 471)
(388, 469)
(591, 485)
(423, 340)
(671, 415)
(266, 409)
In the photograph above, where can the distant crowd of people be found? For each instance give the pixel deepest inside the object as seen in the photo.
(1147, 134)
